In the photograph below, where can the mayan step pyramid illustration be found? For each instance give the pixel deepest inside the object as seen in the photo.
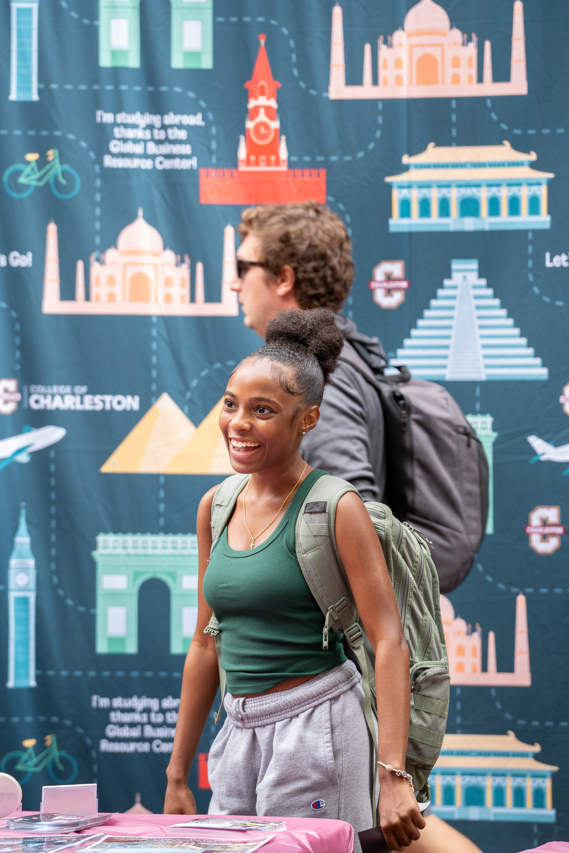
(467, 336)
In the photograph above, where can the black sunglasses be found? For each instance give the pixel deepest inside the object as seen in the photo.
(243, 266)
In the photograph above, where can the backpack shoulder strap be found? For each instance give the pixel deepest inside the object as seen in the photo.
(222, 506)
(319, 560)
(318, 556)
(223, 503)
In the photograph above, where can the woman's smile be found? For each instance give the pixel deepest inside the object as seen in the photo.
(242, 448)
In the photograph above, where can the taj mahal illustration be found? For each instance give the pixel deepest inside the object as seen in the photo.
(22, 609)
(262, 175)
(464, 647)
(427, 59)
(139, 276)
(465, 335)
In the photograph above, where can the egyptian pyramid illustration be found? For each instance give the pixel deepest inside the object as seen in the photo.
(467, 336)
(165, 441)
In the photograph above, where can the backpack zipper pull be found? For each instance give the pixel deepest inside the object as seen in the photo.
(326, 629)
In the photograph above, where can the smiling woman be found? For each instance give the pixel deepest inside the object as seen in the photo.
(289, 693)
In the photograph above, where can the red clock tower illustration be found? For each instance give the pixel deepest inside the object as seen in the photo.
(262, 175)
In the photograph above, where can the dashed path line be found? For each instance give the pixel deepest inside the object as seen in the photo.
(510, 718)
(528, 590)
(76, 15)
(531, 131)
(453, 120)
(106, 673)
(205, 372)
(53, 538)
(4, 306)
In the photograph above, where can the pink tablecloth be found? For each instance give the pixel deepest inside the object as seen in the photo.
(550, 847)
(303, 835)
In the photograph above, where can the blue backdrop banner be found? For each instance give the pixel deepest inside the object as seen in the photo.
(132, 135)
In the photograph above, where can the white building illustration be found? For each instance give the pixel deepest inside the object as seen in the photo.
(427, 59)
(466, 335)
(139, 276)
(124, 563)
(22, 609)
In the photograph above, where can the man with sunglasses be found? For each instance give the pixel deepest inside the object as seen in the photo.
(298, 255)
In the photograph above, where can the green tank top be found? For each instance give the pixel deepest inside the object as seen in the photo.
(270, 624)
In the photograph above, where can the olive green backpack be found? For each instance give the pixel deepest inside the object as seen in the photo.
(416, 586)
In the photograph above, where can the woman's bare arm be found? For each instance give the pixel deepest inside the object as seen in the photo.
(199, 685)
(364, 563)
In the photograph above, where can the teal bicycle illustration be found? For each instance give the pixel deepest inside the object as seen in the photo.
(61, 766)
(21, 180)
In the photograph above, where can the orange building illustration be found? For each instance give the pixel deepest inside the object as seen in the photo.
(427, 59)
(262, 175)
(139, 276)
(464, 647)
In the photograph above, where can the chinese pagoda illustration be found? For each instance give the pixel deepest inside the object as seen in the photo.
(492, 777)
(262, 175)
(427, 59)
(469, 188)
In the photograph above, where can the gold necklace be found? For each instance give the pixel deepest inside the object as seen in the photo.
(275, 515)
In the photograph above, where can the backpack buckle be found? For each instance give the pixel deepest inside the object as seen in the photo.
(333, 616)
(354, 634)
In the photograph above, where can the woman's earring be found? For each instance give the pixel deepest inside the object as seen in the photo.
(304, 432)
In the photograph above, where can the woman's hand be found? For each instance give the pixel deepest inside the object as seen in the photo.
(399, 813)
(179, 799)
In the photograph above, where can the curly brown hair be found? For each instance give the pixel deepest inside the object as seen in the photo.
(310, 239)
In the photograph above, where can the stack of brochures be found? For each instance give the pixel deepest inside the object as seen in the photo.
(131, 844)
(55, 822)
(241, 824)
(47, 843)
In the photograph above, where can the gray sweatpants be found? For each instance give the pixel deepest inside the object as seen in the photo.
(304, 752)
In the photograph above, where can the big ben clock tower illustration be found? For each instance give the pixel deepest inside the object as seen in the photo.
(22, 609)
(262, 175)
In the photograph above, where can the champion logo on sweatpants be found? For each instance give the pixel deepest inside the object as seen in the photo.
(318, 805)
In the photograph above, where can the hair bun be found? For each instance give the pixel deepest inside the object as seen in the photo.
(314, 329)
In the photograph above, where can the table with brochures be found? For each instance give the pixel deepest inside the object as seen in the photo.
(302, 835)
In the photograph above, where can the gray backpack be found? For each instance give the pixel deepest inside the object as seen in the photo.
(416, 586)
(436, 466)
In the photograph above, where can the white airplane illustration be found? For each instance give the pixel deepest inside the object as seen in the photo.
(17, 448)
(547, 452)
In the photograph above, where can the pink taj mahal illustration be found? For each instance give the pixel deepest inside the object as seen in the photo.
(139, 276)
(464, 647)
(427, 59)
